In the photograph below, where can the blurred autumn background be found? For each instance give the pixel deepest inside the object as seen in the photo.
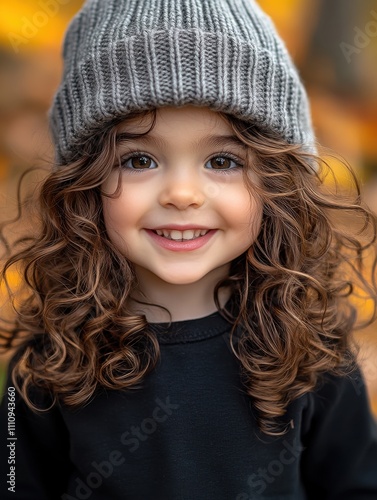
(334, 45)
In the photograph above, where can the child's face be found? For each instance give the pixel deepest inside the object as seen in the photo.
(175, 184)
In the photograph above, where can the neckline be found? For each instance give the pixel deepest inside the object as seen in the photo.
(191, 330)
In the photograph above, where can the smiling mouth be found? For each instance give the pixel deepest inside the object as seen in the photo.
(187, 235)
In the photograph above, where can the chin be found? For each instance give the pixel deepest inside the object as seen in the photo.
(180, 280)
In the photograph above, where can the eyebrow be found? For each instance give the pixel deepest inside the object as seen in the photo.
(212, 140)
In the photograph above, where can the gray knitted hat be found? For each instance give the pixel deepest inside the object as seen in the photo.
(122, 56)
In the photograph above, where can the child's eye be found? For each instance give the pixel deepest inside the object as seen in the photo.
(224, 163)
(139, 161)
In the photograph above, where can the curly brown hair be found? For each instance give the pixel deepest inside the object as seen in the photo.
(292, 290)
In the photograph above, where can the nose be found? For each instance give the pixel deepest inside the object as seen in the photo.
(182, 188)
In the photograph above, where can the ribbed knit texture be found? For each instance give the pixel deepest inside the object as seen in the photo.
(122, 56)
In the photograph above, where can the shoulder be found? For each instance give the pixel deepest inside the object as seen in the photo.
(337, 388)
(340, 439)
(339, 399)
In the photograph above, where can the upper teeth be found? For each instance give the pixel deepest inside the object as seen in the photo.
(189, 234)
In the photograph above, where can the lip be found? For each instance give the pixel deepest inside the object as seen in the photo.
(179, 227)
(181, 246)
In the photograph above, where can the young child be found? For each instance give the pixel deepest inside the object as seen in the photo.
(184, 329)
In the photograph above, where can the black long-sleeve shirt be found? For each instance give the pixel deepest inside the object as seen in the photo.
(190, 434)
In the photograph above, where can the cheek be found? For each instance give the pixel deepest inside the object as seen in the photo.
(117, 215)
(123, 211)
(255, 216)
(242, 211)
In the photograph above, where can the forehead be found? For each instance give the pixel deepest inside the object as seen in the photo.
(194, 124)
(169, 117)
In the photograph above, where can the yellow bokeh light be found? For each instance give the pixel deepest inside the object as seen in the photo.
(34, 24)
